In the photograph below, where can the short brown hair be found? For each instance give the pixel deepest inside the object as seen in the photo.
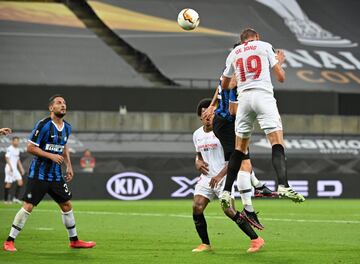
(52, 98)
(246, 34)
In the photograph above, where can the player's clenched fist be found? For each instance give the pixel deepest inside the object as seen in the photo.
(57, 158)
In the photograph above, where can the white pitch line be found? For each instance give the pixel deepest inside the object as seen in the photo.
(25, 34)
(44, 228)
(190, 216)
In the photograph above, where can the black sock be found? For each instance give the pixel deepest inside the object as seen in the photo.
(17, 191)
(244, 226)
(201, 228)
(279, 164)
(6, 194)
(233, 169)
(10, 239)
(75, 238)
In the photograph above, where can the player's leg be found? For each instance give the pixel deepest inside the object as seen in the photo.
(245, 190)
(61, 194)
(7, 187)
(279, 163)
(270, 121)
(256, 241)
(34, 193)
(19, 185)
(261, 190)
(240, 153)
(199, 204)
(244, 121)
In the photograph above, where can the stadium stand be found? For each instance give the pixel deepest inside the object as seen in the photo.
(321, 52)
(44, 43)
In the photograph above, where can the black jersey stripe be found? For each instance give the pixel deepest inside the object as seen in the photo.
(39, 127)
(49, 162)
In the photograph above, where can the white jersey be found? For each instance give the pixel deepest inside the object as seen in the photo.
(13, 154)
(251, 62)
(211, 151)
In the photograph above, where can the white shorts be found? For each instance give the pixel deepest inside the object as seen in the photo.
(202, 188)
(256, 104)
(13, 176)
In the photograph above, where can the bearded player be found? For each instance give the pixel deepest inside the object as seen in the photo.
(48, 143)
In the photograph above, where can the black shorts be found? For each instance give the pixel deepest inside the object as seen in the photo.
(224, 130)
(36, 190)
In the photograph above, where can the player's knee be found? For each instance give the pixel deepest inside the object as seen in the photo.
(28, 207)
(20, 183)
(198, 208)
(246, 166)
(66, 206)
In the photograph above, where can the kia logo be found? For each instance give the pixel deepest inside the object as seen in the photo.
(129, 186)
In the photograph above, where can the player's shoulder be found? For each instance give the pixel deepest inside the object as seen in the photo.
(198, 132)
(67, 124)
(264, 44)
(43, 122)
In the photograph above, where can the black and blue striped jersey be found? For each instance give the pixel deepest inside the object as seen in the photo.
(47, 136)
(224, 98)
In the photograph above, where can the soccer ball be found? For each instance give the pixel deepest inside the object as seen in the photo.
(188, 19)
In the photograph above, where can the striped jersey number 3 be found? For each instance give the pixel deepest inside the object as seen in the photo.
(252, 64)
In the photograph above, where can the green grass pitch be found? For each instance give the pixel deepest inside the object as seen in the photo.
(317, 231)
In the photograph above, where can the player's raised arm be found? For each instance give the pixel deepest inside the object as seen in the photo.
(228, 72)
(5, 131)
(275, 62)
(69, 170)
(211, 109)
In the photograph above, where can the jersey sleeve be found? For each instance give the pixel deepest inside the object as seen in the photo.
(271, 55)
(195, 145)
(38, 134)
(8, 154)
(233, 96)
(229, 68)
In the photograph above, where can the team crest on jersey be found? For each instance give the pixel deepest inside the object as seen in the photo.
(36, 132)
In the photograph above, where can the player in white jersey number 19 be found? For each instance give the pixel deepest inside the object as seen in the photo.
(251, 62)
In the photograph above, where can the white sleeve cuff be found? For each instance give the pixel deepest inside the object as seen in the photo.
(32, 142)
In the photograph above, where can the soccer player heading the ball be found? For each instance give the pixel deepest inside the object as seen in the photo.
(251, 62)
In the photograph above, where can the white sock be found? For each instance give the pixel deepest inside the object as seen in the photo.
(68, 220)
(244, 186)
(254, 181)
(19, 222)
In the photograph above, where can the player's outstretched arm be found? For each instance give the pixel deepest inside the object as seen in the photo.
(277, 69)
(35, 150)
(5, 131)
(211, 109)
(69, 170)
(225, 82)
